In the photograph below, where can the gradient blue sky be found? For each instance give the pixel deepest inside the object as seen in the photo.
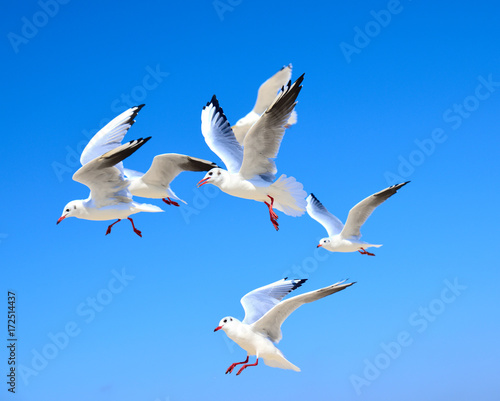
(416, 99)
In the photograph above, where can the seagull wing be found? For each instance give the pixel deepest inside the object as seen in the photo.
(270, 323)
(257, 302)
(319, 213)
(269, 89)
(105, 181)
(219, 136)
(359, 213)
(110, 136)
(263, 140)
(169, 165)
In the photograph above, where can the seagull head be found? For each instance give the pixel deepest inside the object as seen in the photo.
(70, 210)
(214, 176)
(323, 242)
(226, 323)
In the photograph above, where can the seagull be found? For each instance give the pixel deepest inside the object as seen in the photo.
(102, 172)
(346, 238)
(156, 182)
(265, 97)
(251, 169)
(264, 315)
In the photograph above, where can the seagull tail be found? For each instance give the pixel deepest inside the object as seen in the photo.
(279, 361)
(289, 196)
(146, 207)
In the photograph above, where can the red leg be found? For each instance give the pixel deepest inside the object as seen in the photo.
(272, 214)
(230, 369)
(135, 229)
(169, 201)
(246, 366)
(365, 252)
(108, 231)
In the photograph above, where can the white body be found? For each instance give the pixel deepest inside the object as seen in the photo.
(87, 210)
(287, 193)
(337, 243)
(257, 344)
(139, 188)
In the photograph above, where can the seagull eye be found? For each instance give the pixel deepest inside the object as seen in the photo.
(210, 173)
(225, 320)
(67, 210)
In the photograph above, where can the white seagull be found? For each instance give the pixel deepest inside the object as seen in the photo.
(264, 315)
(156, 182)
(347, 238)
(265, 97)
(109, 196)
(251, 169)
(102, 171)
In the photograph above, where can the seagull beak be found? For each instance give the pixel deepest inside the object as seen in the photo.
(317, 246)
(203, 181)
(61, 219)
(217, 328)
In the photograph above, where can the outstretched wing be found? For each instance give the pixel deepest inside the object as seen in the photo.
(269, 89)
(359, 213)
(110, 136)
(270, 323)
(166, 167)
(259, 301)
(319, 213)
(105, 181)
(263, 140)
(219, 136)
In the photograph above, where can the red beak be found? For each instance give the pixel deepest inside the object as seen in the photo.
(218, 328)
(203, 182)
(61, 219)
(317, 246)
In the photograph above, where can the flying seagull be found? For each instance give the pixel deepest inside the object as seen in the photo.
(265, 312)
(265, 97)
(109, 196)
(156, 182)
(251, 169)
(347, 238)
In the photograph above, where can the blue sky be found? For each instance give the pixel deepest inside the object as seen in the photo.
(393, 91)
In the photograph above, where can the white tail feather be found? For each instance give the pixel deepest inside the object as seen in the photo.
(289, 196)
(280, 362)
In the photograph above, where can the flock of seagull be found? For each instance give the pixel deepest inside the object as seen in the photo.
(248, 150)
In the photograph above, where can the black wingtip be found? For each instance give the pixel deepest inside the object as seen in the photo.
(298, 283)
